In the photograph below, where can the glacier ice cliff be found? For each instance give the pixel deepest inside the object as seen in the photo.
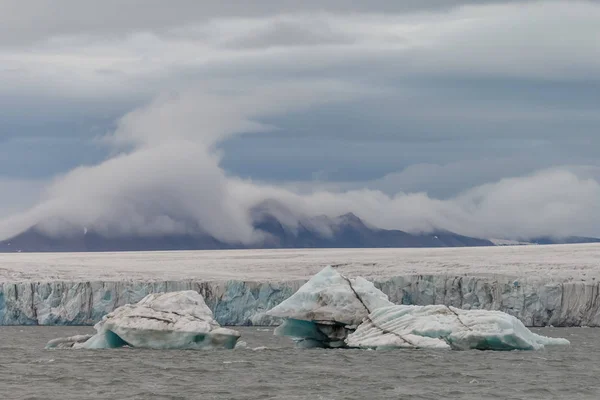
(85, 303)
(534, 301)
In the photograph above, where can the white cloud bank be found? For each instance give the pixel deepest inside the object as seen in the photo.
(166, 178)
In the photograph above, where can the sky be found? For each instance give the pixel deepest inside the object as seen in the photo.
(142, 117)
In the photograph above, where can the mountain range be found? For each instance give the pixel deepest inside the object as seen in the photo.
(344, 231)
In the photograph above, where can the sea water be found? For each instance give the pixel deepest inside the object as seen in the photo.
(269, 367)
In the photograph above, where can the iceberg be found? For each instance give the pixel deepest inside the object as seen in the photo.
(68, 342)
(176, 320)
(327, 308)
(332, 310)
(445, 327)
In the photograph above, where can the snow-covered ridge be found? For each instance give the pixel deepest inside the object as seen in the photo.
(540, 285)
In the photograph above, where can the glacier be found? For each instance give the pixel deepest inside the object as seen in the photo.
(246, 302)
(174, 320)
(539, 285)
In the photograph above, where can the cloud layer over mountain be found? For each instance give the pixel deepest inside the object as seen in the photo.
(168, 180)
(476, 117)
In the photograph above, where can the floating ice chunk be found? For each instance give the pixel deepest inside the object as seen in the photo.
(177, 320)
(326, 308)
(440, 326)
(68, 342)
(326, 311)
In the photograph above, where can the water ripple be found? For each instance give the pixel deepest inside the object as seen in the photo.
(281, 372)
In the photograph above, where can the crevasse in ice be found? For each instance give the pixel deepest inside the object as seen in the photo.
(176, 320)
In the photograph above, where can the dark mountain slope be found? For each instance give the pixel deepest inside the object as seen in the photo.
(346, 231)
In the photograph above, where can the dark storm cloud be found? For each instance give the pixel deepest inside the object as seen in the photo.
(22, 22)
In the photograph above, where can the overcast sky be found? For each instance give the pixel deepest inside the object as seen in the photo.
(142, 116)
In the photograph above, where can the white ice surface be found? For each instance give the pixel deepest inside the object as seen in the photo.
(443, 327)
(331, 297)
(177, 320)
(540, 285)
(576, 262)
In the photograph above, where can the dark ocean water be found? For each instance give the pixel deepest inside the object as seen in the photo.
(279, 371)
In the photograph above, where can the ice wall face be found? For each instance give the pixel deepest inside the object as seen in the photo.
(534, 301)
(85, 303)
